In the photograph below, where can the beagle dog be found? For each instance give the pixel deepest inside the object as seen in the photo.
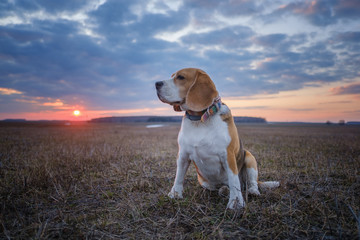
(208, 137)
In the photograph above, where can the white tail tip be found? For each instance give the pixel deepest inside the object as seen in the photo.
(269, 184)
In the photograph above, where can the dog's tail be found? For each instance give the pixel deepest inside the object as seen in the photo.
(268, 184)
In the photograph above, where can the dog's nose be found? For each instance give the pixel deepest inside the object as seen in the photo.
(159, 84)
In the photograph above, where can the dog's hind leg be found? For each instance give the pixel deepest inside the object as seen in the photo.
(251, 173)
(250, 167)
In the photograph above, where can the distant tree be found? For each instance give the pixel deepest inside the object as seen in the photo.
(328, 122)
(342, 122)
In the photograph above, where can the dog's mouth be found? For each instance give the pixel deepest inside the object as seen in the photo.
(166, 101)
(175, 103)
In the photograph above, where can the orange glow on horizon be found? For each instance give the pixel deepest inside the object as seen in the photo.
(310, 104)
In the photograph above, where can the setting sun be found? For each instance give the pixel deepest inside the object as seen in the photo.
(76, 112)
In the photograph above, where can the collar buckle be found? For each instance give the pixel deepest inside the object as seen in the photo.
(210, 111)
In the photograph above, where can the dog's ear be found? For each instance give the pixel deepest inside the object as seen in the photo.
(202, 93)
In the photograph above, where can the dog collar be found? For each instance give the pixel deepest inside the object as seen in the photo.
(207, 113)
(193, 117)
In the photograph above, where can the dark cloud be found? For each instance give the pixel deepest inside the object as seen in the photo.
(349, 41)
(347, 9)
(58, 6)
(21, 6)
(252, 107)
(233, 37)
(120, 26)
(348, 37)
(302, 109)
(336, 102)
(227, 7)
(270, 40)
(349, 89)
(48, 6)
(279, 42)
(320, 12)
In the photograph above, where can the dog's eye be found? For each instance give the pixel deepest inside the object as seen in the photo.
(180, 77)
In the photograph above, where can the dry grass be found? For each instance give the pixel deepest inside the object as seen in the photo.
(111, 181)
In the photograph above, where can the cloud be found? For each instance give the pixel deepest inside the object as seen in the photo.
(251, 107)
(9, 91)
(320, 12)
(57, 103)
(302, 109)
(21, 103)
(349, 89)
(232, 37)
(347, 9)
(348, 37)
(349, 41)
(227, 7)
(270, 40)
(336, 102)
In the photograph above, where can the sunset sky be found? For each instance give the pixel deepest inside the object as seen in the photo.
(282, 60)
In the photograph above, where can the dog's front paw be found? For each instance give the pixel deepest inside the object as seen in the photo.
(175, 194)
(236, 203)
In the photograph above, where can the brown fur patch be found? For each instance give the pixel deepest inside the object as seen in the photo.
(235, 149)
(202, 93)
(201, 179)
(250, 161)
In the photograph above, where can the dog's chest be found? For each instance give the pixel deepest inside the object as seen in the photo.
(205, 144)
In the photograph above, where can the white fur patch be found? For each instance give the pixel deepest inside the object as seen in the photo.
(169, 92)
(205, 143)
(269, 184)
(252, 183)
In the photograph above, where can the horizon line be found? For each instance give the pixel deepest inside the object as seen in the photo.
(19, 120)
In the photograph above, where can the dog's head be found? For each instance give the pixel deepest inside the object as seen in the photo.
(190, 88)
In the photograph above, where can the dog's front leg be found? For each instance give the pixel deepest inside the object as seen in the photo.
(182, 166)
(236, 200)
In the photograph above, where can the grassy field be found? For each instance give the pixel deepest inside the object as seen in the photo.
(111, 181)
